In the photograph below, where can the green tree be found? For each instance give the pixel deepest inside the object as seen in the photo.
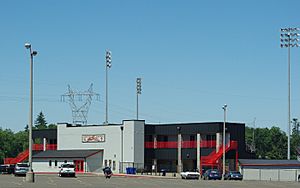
(52, 126)
(6, 146)
(249, 138)
(40, 122)
(269, 143)
(295, 139)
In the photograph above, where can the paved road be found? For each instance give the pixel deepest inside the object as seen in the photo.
(83, 181)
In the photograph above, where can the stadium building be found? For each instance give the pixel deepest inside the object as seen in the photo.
(173, 147)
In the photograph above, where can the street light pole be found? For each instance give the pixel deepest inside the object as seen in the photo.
(108, 65)
(224, 128)
(30, 173)
(121, 163)
(138, 92)
(288, 39)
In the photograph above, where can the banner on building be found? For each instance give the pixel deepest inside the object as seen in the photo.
(93, 138)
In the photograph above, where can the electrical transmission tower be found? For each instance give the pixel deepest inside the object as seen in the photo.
(80, 112)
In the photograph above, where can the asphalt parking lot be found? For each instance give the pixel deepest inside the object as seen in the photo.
(94, 181)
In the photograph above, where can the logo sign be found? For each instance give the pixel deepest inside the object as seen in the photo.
(93, 138)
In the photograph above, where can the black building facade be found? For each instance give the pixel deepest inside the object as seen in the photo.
(162, 149)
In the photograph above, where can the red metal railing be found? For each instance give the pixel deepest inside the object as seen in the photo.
(24, 155)
(184, 144)
(40, 147)
(214, 156)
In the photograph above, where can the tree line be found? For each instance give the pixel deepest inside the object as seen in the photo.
(266, 143)
(11, 144)
(271, 143)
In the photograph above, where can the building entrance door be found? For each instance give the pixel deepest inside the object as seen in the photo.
(79, 165)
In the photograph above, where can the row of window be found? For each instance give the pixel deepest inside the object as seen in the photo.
(55, 162)
(111, 165)
(165, 138)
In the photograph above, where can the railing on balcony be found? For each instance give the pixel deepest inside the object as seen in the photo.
(40, 147)
(184, 144)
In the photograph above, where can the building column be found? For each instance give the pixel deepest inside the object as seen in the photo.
(44, 144)
(179, 165)
(227, 138)
(218, 141)
(155, 166)
(199, 152)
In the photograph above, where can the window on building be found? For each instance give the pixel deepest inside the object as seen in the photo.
(114, 165)
(109, 163)
(50, 163)
(165, 138)
(192, 138)
(105, 163)
(55, 163)
(211, 137)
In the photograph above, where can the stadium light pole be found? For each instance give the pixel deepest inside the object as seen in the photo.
(138, 92)
(224, 128)
(30, 173)
(288, 39)
(107, 66)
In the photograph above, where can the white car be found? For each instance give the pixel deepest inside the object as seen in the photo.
(190, 175)
(21, 169)
(67, 170)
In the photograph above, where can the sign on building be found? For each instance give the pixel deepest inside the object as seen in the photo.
(93, 138)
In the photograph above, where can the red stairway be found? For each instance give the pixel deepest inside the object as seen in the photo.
(213, 158)
(24, 155)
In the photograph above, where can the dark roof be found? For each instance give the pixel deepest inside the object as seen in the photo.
(66, 153)
(267, 162)
(193, 123)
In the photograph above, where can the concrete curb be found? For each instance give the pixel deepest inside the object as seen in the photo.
(117, 175)
(139, 176)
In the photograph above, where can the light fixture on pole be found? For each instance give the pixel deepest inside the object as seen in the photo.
(138, 92)
(122, 145)
(30, 173)
(107, 66)
(289, 38)
(224, 129)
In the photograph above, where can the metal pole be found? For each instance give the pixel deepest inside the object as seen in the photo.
(224, 127)
(106, 95)
(289, 100)
(138, 92)
(30, 174)
(137, 106)
(289, 38)
(30, 111)
(122, 129)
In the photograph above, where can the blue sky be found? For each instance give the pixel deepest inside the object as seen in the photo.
(193, 57)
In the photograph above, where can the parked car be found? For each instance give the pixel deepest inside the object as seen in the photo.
(3, 169)
(67, 170)
(21, 169)
(233, 175)
(212, 174)
(11, 169)
(190, 175)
